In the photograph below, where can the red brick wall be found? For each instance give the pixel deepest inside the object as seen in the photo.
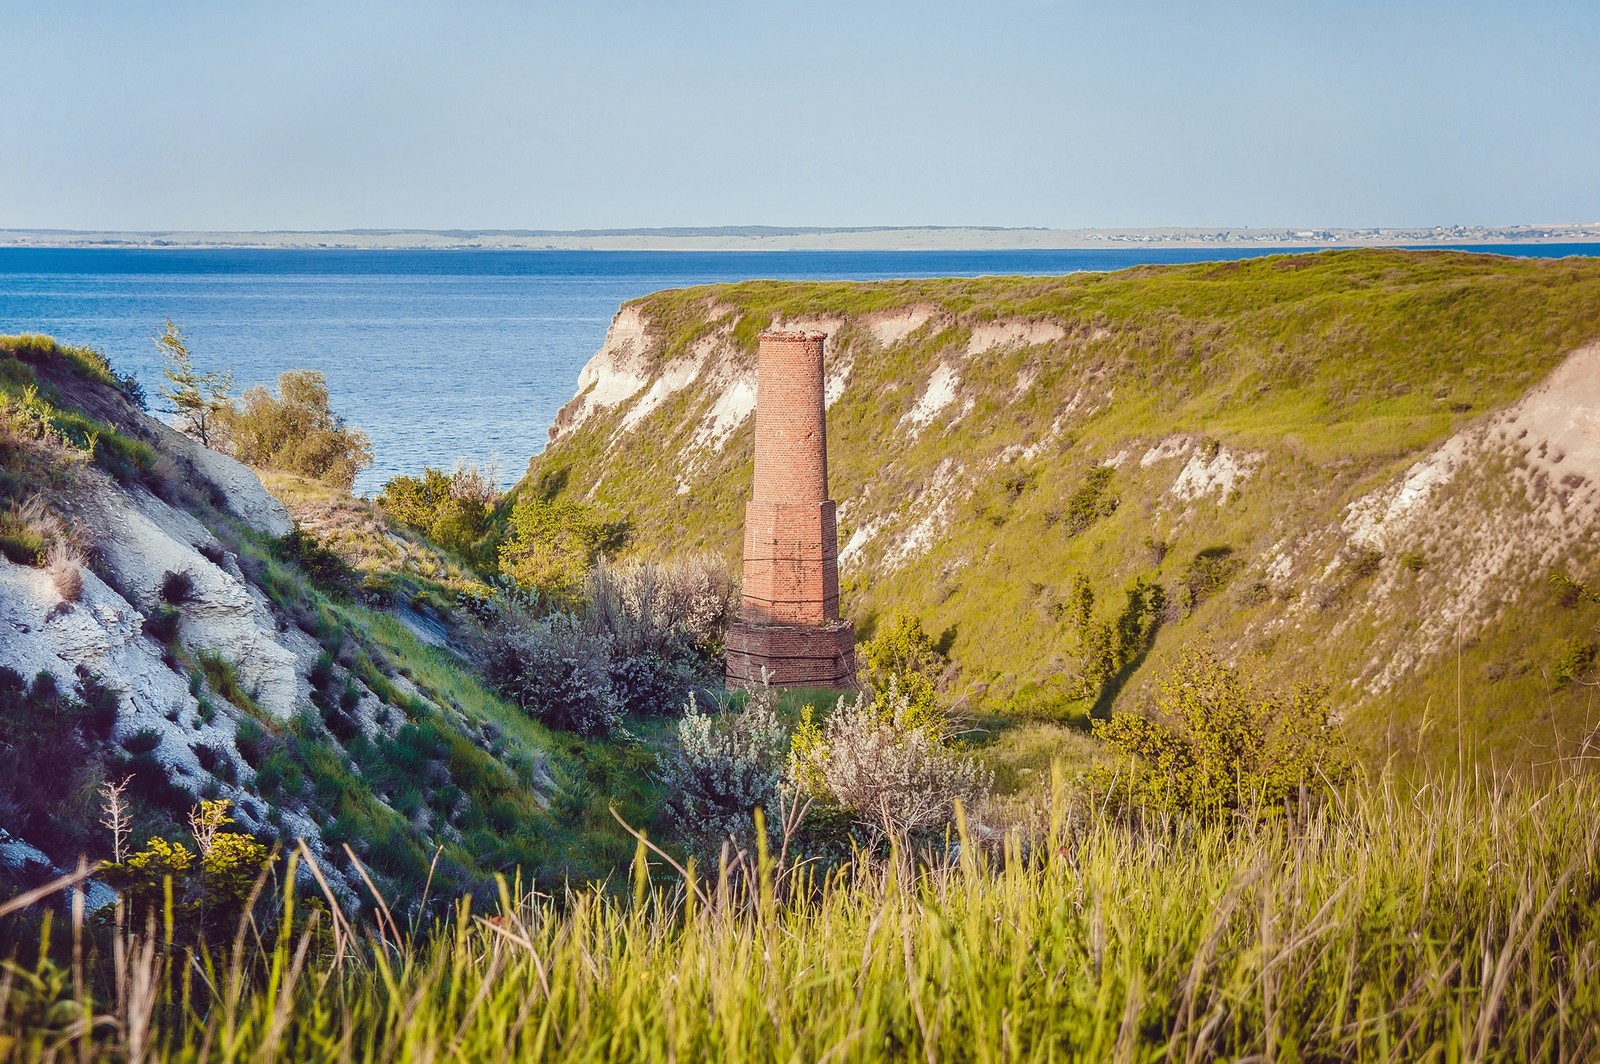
(789, 612)
(811, 656)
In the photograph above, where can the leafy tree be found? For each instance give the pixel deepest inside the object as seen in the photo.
(451, 509)
(900, 654)
(296, 431)
(199, 399)
(552, 546)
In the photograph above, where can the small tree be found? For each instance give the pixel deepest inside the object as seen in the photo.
(901, 655)
(296, 431)
(197, 398)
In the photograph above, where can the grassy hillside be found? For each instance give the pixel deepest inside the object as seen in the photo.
(384, 738)
(1013, 456)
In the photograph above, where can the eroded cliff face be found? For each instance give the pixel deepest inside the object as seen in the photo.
(234, 673)
(1330, 467)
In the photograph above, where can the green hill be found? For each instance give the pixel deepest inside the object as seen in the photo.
(1376, 468)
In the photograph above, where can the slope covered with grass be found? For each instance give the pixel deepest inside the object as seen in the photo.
(1312, 462)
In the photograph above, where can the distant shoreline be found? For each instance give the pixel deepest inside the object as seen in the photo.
(776, 238)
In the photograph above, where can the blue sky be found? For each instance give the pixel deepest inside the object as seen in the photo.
(138, 114)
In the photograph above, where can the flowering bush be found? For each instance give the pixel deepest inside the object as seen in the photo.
(641, 637)
(885, 763)
(728, 765)
(666, 625)
(553, 667)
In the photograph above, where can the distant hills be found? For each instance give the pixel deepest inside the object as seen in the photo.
(803, 238)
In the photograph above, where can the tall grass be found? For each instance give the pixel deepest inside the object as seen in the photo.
(1458, 921)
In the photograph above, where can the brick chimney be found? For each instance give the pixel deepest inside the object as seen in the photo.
(789, 615)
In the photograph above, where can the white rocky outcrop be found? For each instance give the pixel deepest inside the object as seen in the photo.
(939, 394)
(1220, 473)
(995, 335)
(616, 373)
(1513, 496)
(239, 489)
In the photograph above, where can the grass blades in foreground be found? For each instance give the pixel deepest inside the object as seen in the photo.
(1453, 922)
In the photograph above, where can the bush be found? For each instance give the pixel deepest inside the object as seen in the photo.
(52, 748)
(728, 765)
(177, 588)
(1090, 502)
(551, 546)
(888, 768)
(452, 509)
(664, 624)
(900, 655)
(1209, 572)
(295, 431)
(554, 669)
(208, 896)
(1573, 658)
(1217, 743)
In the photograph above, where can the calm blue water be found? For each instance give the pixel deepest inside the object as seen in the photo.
(439, 355)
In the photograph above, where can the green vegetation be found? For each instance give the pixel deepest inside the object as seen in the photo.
(53, 746)
(1453, 922)
(552, 546)
(1216, 744)
(454, 510)
(1300, 382)
(198, 397)
(295, 431)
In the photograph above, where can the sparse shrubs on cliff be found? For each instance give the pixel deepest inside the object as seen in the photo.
(52, 745)
(1217, 742)
(295, 431)
(1089, 502)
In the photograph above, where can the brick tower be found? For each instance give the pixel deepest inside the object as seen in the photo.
(789, 614)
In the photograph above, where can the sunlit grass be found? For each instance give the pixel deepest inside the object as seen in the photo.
(1457, 921)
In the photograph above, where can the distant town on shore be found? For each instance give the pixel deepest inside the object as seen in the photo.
(804, 238)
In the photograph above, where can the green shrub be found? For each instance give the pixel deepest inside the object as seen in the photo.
(1573, 658)
(1217, 743)
(207, 895)
(1090, 502)
(295, 431)
(53, 745)
(551, 546)
(1209, 572)
(453, 510)
(900, 655)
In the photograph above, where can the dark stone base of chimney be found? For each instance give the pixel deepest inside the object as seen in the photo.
(793, 655)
